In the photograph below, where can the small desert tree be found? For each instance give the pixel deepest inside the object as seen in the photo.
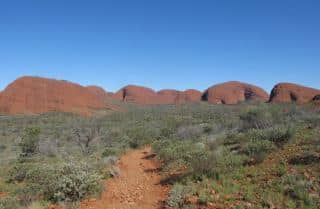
(87, 132)
(29, 143)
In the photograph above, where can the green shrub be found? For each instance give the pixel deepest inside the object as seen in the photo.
(29, 193)
(279, 135)
(2, 147)
(258, 149)
(72, 182)
(9, 203)
(68, 182)
(30, 141)
(227, 161)
(256, 117)
(205, 197)
(203, 163)
(298, 188)
(140, 135)
(18, 172)
(110, 152)
(176, 196)
(189, 132)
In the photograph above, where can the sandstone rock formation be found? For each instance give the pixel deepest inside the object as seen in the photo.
(316, 98)
(99, 92)
(38, 95)
(234, 92)
(146, 96)
(170, 96)
(192, 95)
(137, 94)
(289, 92)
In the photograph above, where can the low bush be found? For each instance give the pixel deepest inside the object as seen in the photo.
(256, 117)
(258, 149)
(68, 182)
(2, 147)
(29, 143)
(17, 172)
(298, 188)
(29, 193)
(73, 181)
(279, 135)
(9, 203)
(176, 196)
(189, 132)
(227, 161)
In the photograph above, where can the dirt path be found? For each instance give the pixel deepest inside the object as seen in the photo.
(137, 187)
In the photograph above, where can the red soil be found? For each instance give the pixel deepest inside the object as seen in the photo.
(234, 92)
(3, 194)
(289, 92)
(29, 95)
(137, 187)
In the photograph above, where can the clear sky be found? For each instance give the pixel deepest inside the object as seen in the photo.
(161, 43)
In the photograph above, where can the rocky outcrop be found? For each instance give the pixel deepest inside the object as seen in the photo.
(180, 97)
(99, 92)
(137, 94)
(289, 92)
(38, 95)
(316, 98)
(146, 96)
(234, 92)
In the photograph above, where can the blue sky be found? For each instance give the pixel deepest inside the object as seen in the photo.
(161, 44)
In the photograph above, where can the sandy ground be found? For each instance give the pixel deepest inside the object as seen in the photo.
(137, 187)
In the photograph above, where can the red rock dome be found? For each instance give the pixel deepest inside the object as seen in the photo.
(234, 92)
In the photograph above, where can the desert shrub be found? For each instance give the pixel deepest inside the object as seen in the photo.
(2, 147)
(109, 151)
(176, 196)
(70, 181)
(40, 174)
(168, 127)
(205, 197)
(306, 158)
(39, 205)
(227, 161)
(279, 135)
(30, 141)
(106, 167)
(203, 163)
(207, 129)
(29, 193)
(189, 132)
(298, 188)
(48, 147)
(258, 149)
(256, 117)
(17, 172)
(139, 135)
(9, 203)
(73, 181)
(110, 160)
